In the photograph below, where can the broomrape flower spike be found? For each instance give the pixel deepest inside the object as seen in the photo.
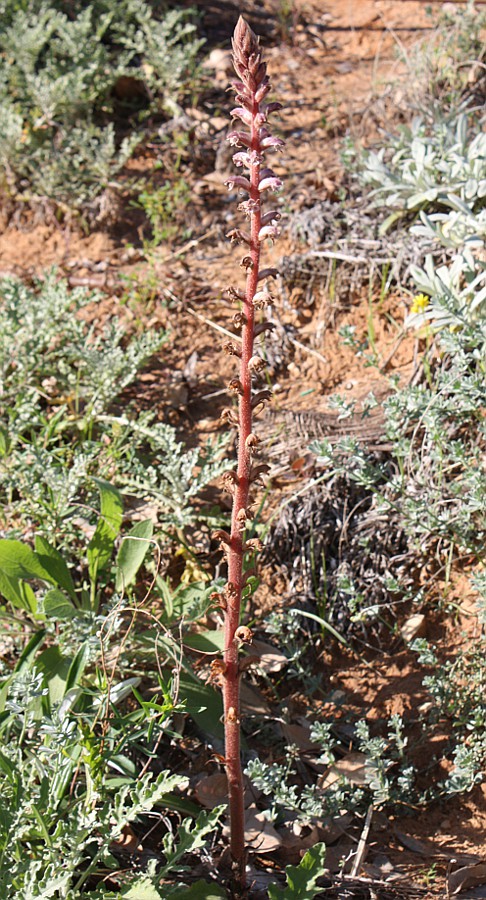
(252, 142)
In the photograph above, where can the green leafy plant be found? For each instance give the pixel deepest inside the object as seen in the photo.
(60, 377)
(164, 207)
(302, 879)
(427, 167)
(60, 72)
(63, 812)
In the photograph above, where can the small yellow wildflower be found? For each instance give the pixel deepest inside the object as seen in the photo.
(420, 302)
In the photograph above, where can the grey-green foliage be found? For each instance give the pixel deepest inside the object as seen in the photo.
(457, 687)
(437, 432)
(50, 356)
(438, 489)
(171, 474)
(306, 804)
(457, 294)
(438, 170)
(59, 64)
(425, 163)
(61, 808)
(59, 378)
(383, 769)
(385, 775)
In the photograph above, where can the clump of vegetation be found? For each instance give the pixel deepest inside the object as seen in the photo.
(425, 493)
(61, 376)
(76, 81)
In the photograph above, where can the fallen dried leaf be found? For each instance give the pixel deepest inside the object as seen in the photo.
(252, 701)
(353, 767)
(415, 626)
(212, 791)
(413, 844)
(270, 659)
(299, 735)
(260, 835)
(467, 877)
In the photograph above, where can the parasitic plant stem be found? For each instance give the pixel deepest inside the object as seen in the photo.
(255, 138)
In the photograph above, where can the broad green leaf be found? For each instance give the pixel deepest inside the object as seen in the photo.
(77, 667)
(57, 606)
(190, 602)
(202, 703)
(7, 767)
(205, 641)
(53, 563)
(18, 593)
(101, 544)
(30, 650)
(5, 442)
(18, 560)
(132, 553)
(301, 879)
(55, 668)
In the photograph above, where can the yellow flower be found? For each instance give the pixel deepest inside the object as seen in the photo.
(420, 302)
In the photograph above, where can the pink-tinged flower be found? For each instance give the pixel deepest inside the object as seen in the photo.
(238, 138)
(270, 272)
(240, 87)
(272, 183)
(272, 107)
(263, 90)
(242, 159)
(272, 215)
(249, 206)
(253, 158)
(237, 181)
(240, 113)
(274, 142)
(268, 231)
(246, 101)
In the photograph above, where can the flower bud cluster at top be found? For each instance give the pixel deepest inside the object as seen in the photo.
(251, 89)
(252, 140)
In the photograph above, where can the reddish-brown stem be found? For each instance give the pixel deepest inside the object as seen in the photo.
(235, 562)
(251, 90)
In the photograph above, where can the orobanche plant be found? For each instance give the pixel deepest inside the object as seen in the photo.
(252, 142)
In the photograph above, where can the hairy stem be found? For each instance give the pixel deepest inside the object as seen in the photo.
(250, 92)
